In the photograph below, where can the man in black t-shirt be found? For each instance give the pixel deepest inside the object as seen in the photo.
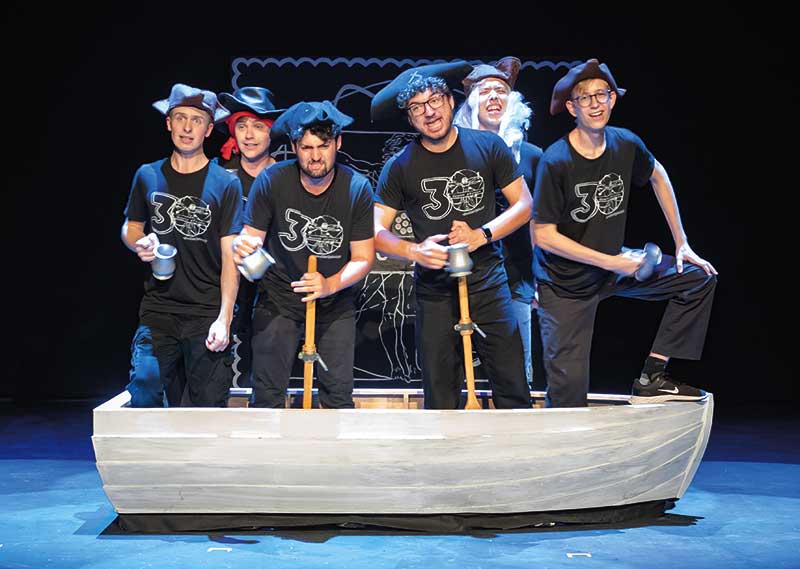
(493, 105)
(445, 181)
(580, 206)
(195, 206)
(308, 206)
(246, 153)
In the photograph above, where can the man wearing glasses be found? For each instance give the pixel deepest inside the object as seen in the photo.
(579, 210)
(445, 181)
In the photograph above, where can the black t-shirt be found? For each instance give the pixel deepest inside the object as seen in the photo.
(434, 189)
(588, 201)
(247, 290)
(517, 249)
(234, 165)
(299, 224)
(192, 212)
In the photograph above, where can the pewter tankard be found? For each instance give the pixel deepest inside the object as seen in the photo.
(652, 257)
(256, 264)
(459, 263)
(164, 264)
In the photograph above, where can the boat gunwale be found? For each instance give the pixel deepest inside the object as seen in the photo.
(121, 402)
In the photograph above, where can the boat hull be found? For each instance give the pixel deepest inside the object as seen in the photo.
(396, 461)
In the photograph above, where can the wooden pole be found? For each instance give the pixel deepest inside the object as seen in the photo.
(466, 333)
(308, 347)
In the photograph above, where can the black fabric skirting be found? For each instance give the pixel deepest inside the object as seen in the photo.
(645, 513)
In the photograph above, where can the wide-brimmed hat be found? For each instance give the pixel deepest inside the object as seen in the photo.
(307, 114)
(384, 104)
(506, 69)
(185, 96)
(592, 69)
(256, 100)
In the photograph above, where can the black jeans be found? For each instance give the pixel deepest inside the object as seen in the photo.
(441, 351)
(165, 347)
(567, 324)
(276, 343)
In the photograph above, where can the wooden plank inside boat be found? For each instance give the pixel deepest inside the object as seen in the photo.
(385, 398)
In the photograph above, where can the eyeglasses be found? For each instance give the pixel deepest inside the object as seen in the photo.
(417, 109)
(586, 100)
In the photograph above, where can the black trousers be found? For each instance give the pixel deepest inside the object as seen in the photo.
(567, 324)
(276, 343)
(441, 351)
(241, 334)
(169, 349)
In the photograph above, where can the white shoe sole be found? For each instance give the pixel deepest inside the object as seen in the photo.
(643, 399)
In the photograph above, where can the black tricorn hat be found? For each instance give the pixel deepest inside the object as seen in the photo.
(305, 114)
(256, 100)
(592, 69)
(384, 104)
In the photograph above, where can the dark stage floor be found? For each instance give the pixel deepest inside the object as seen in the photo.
(741, 511)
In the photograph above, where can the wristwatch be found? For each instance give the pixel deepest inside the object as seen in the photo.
(487, 233)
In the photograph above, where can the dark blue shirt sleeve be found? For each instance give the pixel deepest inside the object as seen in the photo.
(643, 163)
(506, 169)
(363, 213)
(231, 208)
(548, 196)
(258, 213)
(136, 208)
(390, 188)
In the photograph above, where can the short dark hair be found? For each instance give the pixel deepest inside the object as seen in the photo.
(420, 85)
(324, 131)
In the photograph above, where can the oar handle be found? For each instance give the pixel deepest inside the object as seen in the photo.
(308, 346)
(311, 307)
(463, 302)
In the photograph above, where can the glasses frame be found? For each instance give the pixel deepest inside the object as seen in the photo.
(418, 109)
(596, 96)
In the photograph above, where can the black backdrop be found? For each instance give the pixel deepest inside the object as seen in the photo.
(713, 98)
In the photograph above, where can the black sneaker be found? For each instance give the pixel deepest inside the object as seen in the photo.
(661, 387)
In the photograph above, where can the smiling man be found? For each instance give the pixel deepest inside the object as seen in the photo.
(445, 181)
(492, 104)
(580, 207)
(246, 152)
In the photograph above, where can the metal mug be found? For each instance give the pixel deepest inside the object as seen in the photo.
(164, 264)
(652, 257)
(459, 263)
(256, 264)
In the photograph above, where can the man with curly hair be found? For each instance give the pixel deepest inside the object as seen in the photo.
(445, 181)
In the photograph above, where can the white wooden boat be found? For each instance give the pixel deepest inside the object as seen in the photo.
(398, 459)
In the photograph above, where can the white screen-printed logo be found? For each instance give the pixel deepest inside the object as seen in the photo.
(322, 235)
(605, 197)
(189, 215)
(463, 191)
